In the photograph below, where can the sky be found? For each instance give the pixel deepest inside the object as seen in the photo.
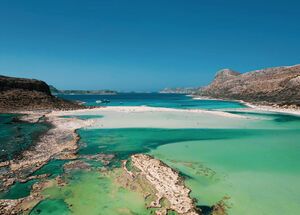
(144, 45)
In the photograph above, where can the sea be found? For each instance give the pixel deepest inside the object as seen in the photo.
(180, 101)
(250, 169)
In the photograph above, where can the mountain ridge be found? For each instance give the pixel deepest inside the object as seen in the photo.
(276, 85)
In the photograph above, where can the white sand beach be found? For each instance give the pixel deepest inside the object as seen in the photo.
(256, 107)
(152, 117)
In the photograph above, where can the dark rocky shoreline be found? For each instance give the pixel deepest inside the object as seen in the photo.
(21, 94)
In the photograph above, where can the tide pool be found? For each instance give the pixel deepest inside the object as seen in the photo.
(16, 136)
(18, 190)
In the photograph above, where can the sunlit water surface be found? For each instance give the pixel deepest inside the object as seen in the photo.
(254, 169)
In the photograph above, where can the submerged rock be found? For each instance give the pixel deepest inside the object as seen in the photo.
(76, 165)
(103, 158)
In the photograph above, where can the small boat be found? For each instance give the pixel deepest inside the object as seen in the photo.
(104, 101)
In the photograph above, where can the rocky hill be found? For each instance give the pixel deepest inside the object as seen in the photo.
(20, 94)
(279, 85)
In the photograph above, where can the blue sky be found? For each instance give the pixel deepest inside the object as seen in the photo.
(144, 45)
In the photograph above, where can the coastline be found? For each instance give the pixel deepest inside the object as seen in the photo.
(141, 109)
(270, 108)
(47, 147)
(61, 141)
(256, 107)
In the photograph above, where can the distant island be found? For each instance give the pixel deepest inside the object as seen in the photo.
(180, 90)
(55, 91)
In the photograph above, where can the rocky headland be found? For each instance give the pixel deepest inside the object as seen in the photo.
(21, 94)
(278, 86)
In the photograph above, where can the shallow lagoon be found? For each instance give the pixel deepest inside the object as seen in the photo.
(258, 172)
(90, 192)
(255, 167)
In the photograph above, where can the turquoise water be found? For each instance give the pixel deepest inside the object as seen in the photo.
(127, 141)
(83, 117)
(258, 173)
(17, 136)
(53, 167)
(90, 192)
(51, 207)
(153, 100)
(255, 170)
(18, 190)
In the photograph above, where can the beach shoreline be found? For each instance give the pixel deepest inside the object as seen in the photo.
(53, 143)
(256, 107)
(61, 142)
(141, 109)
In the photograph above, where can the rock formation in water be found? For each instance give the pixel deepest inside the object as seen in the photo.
(20, 94)
(277, 86)
(162, 187)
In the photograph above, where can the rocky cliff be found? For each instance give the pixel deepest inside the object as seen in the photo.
(279, 85)
(20, 94)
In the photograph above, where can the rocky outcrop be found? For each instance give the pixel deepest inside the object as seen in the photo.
(168, 184)
(279, 86)
(59, 142)
(20, 94)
